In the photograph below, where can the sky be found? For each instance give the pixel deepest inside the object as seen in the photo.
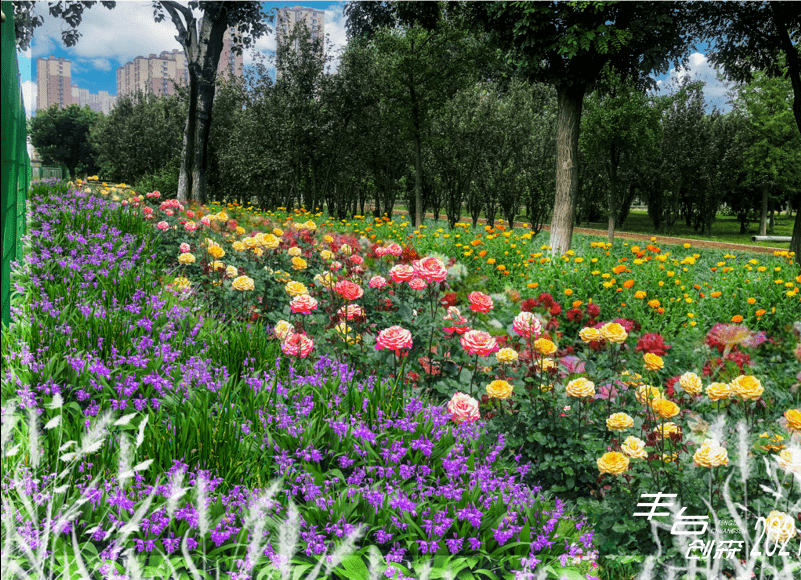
(110, 38)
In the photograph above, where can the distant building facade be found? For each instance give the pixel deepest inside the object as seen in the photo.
(53, 82)
(288, 18)
(160, 74)
(102, 102)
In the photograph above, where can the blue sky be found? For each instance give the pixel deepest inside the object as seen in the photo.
(110, 38)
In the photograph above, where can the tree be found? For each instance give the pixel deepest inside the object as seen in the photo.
(61, 135)
(619, 126)
(140, 136)
(202, 41)
(567, 45)
(750, 37)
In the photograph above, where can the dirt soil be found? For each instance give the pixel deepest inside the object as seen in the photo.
(729, 247)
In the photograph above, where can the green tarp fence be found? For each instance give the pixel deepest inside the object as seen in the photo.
(15, 169)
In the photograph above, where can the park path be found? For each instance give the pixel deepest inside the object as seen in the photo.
(668, 240)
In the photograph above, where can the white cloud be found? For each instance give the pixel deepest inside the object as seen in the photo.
(29, 92)
(101, 64)
(699, 68)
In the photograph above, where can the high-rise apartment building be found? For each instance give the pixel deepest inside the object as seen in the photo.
(102, 102)
(159, 74)
(53, 82)
(288, 18)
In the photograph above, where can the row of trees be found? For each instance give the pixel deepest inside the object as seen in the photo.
(422, 55)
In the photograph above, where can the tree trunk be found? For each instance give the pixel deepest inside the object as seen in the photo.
(610, 230)
(418, 163)
(568, 119)
(763, 218)
(772, 219)
(795, 241)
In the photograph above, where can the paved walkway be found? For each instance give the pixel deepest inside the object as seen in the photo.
(647, 238)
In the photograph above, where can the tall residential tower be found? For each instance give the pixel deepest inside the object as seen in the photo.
(53, 82)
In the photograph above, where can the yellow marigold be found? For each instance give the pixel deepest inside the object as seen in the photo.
(545, 346)
(646, 393)
(776, 438)
(613, 463)
(216, 252)
(665, 408)
(634, 447)
(690, 383)
(506, 355)
(640, 294)
(619, 422)
(243, 283)
(580, 388)
(779, 527)
(667, 429)
(614, 332)
(499, 389)
(186, 258)
(747, 387)
(298, 263)
(589, 334)
(653, 362)
(294, 288)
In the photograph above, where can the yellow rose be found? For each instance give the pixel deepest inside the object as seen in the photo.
(580, 388)
(545, 364)
(298, 263)
(711, 454)
(310, 225)
(257, 251)
(589, 334)
(183, 284)
(619, 422)
(614, 332)
(243, 283)
(326, 280)
(346, 332)
(327, 239)
(217, 265)
(222, 216)
(232, 271)
(295, 288)
(283, 329)
(278, 232)
(546, 388)
(718, 391)
(690, 383)
(327, 254)
(545, 346)
(793, 417)
(239, 246)
(613, 463)
(747, 387)
(779, 527)
(499, 389)
(216, 252)
(294, 251)
(240, 230)
(790, 460)
(653, 362)
(665, 408)
(646, 393)
(345, 250)
(667, 429)
(269, 241)
(634, 447)
(186, 258)
(506, 355)
(250, 242)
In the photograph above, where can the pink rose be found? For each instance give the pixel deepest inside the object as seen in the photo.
(479, 342)
(349, 290)
(169, 212)
(480, 302)
(394, 249)
(431, 269)
(377, 282)
(298, 345)
(190, 226)
(303, 304)
(463, 408)
(381, 251)
(163, 225)
(354, 259)
(190, 213)
(417, 284)
(393, 338)
(184, 248)
(205, 220)
(527, 324)
(147, 210)
(335, 266)
(401, 273)
(350, 311)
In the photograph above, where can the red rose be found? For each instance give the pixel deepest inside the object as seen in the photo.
(480, 302)
(349, 290)
(479, 342)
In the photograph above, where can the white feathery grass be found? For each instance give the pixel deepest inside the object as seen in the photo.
(133, 568)
(425, 570)
(375, 560)
(124, 471)
(288, 539)
(176, 492)
(124, 420)
(344, 549)
(33, 438)
(743, 450)
(202, 511)
(140, 434)
(93, 440)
